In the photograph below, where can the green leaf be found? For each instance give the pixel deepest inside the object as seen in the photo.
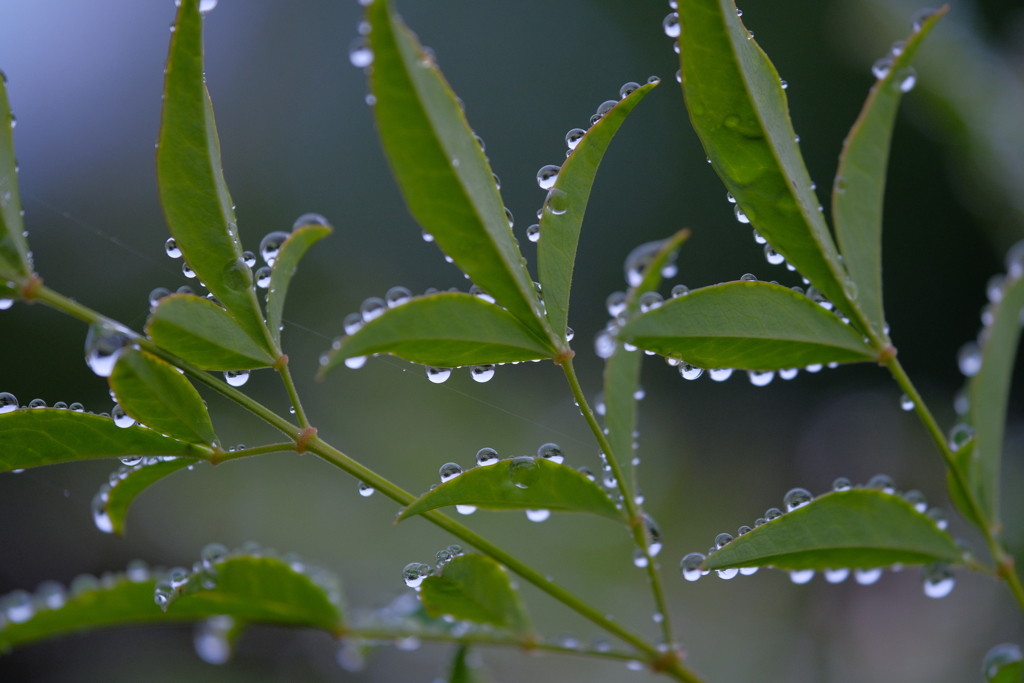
(560, 233)
(746, 325)
(249, 589)
(153, 392)
(622, 370)
(738, 107)
(292, 251)
(14, 259)
(476, 588)
(989, 394)
(859, 187)
(138, 478)
(461, 671)
(47, 436)
(859, 528)
(445, 330)
(524, 483)
(442, 170)
(202, 333)
(195, 198)
(1003, 664)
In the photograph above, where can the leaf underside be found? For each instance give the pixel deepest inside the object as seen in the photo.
(292, 251)
(859, 528)
(139, 478)
(476, 588)
(14, 260)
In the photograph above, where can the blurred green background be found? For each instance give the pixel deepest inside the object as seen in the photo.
(85, 82)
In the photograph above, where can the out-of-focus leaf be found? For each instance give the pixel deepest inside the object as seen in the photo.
(249, 589)
(746, 325)
(201, 332)
(859, 528)
(158, 396)
(560, 232)
(47, 436)
(859, 187)
(476, 588)
(445, 330)
(138, 478)
(14, 259)
(524, 483)
(1003, 664)
(441, 168)
(292, 251)
(190, 177)
(461, 671)
(738, 107)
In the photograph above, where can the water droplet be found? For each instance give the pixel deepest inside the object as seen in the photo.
(557, 201)
(353, 323)
(616, 303)
(552, 452)
(350, 655)
(671, 25)
(883, 483)
(635, 665)
(628, 89)
(917, 499)
(360, 54)
(523, 471)
(761, 378)
(263, 277)
(772, 514)
(748, 277)
(573, 137)
(920, 17)
(906, 79)
(18, 607)
(538, 515)
(797, 498)
(99, 510)
(482, 373)
(270, 246)
(212, 639)
(773, 257)
(121, 418)
(937, 580)
(640, 558)
(414, 574)
(939, 517)
(722, 540)
(372, 308)
(720, 374)
(638, 259)
(533, 233)
(236, 378)
(365, 490)
(486, 456)
(427, 237)
(801, 576)
(397, 296)
(547, 176)
(654, 542)
(1000, 657)
(881, 67)
(960, 435)
(604, 344)
(650, 301)
(478, 292)
(906, 403)
(171, 247)
(866, 577)
(509, 217)
(438, 375)
(691, 372)
(841, 484)
(8, 403)
(836, 575)
(788, 373)
(449, 471)
(465, 509)
(103, 346)
(969, 359)
(740, 215)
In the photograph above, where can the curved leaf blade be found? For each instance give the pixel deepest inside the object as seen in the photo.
(476, 588)
(251, 589)
(748, 326)
(190, 177)
(154, 393)
(859, 187)
(292, 251)
(445, 330)
(441, 169)
(460, 670)
(859, 528)
(138, 479)
(519, 484)
(204, 334)
(47, 436)
(14, 259)
(738, 107)
(560, 233)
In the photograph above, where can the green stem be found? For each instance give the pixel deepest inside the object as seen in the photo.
(635, 514)
(258, 450)
(1003, 560)
(289, 384)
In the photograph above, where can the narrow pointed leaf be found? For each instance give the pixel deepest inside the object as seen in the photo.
(201, 332)
(859, 187)
(249, 589)
(746, 325)
(548, 486)
(622, 370)
(441, 169)
(476, 588)
(560, 233)
(461, 672)
(139, 478)
(153, 392)
(445, 330)
(14, 259)
(195, 198)
(738, 107)
(859, 528)
(48, 436)
(292, 251)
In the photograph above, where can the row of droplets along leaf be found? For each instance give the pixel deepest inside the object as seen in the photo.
(937, 578)
(415, 573)
(129, 465)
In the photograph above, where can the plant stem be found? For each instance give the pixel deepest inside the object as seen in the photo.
(635, 515)
(289, 384)
(258, 450)
(1003, 560)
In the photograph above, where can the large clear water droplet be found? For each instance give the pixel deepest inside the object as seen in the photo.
(1000, 657)
(414, 574)
(937, 580)
(396, 296)
(615, 303)
(866, 577)
(121, 418)
(836, 575)
(690, 566)
(360, 54)
(372, 308)
(486, 456)
(552, 452)
(670, 24)
(628, 89)
(171, 248)
(270, 246)
(236, 378)
(263, 276)
(720, 374)
(604, 344)
(438, 375)
(883, 483)
(761, 378)
(449, 471)
(960, 435)
(573, 137)
(523, 471)
(650, 301)
(547, 176)
(797, 498)
(638, 259)
(103, 346)
(482, 373)
(968, 359)
(538, 515)
(8, 403)
(18, 607)
(801, 576)
(557, 201)
(353, 323)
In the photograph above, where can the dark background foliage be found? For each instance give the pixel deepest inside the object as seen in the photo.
(85, 83)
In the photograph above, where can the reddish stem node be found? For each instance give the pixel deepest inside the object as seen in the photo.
(304, 438)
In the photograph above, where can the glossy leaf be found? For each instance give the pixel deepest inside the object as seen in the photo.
(48, 436)
(292, 251)
(560, 233)
(738, 107)
(139, 478)
(524, 483)
(859, 528)
(746, 325)
(622, 370)
(859, 188)
(14, 259)
(195, 198)
(202, 333)
(441, 168)
(158, 396)
(445, 330)
(250, 589)
(476, 588)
